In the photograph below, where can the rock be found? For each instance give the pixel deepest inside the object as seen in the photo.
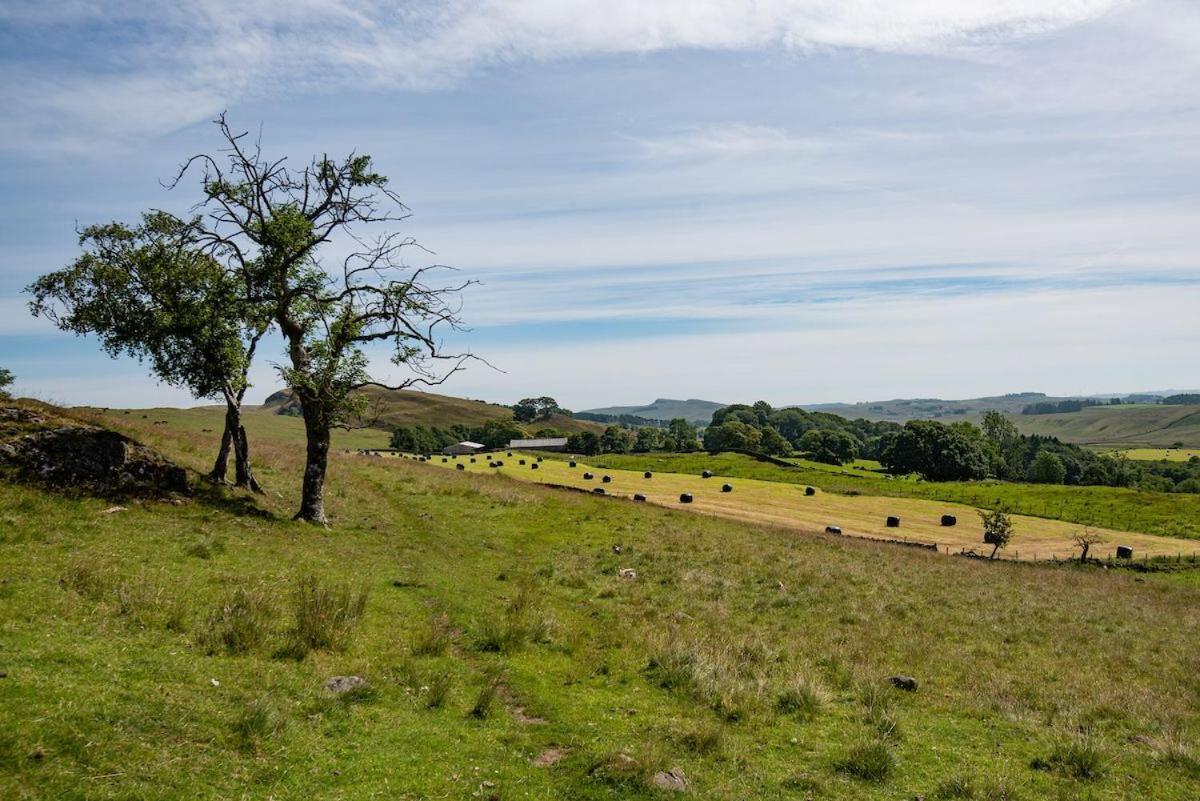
(616, 549)
(670, 780)
(906, 683)
(627, 573)
(340, 685)
(112, 510)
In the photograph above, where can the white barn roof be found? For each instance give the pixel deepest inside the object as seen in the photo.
(548, 442)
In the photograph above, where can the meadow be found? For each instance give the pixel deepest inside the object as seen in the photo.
(1163, 514)
(522, 641)
(786, 505)
(1160, 454)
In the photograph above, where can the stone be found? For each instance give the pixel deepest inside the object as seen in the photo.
(627, 573)
(340, 685)
(671, 780)
(906, 683)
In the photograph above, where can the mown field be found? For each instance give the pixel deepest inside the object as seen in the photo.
(786, 505)
(167, 652)
(1161, 454)
(1163, 514)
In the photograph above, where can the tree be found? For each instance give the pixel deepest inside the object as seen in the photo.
(154, 292)
(6, 381)
(648, 439)
(615, 440)
(681, 436)
(1046, 468)
(528, 410)
(997, 529)
(829, 446)
(585, 442)
(1007, 444)
(732, 435)
(497, 433)
(936, 452)
(269, 224)
(773, 443)
(1084, 540)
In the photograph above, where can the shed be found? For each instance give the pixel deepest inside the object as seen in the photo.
(543, 444)
(463, 447)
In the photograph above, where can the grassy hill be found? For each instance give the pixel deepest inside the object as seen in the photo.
(182, 651)
(692, 410)
(902, 410)
(1129, 426)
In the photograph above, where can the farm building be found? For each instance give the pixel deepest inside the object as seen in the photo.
(544, 444)
(463, 447)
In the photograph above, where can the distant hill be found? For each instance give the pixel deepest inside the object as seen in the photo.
(411, 408)
(1149, 425)
(902, 410)
(692, 410)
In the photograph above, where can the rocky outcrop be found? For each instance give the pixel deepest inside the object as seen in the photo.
(67, 454)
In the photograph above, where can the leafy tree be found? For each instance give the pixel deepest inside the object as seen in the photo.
(935, 452)
(997, 529)
(1046, 468)
(585, 442)
(6, 381)
(1007, 444)
(615, 440)
(648, 439)
(732, 435)
(773, 443)
(268, 224)
(497, 433)
(829, 446)
(528, 410)
(154, 292)
(681, 436)
(738, 412)
(1191, 485)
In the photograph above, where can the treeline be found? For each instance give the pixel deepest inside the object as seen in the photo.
(492, 434)
(821, 436)
(678, 437)
(629, 420)
(1063, 406)
(1185, 399)
(962, 451)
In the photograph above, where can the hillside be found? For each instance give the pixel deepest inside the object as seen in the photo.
(1129, 426)
(570, 647)
(902, 410)
(692, 410)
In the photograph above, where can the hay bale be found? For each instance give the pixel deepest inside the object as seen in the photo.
(572, 464)
(460, 466)
(685, 497)
(445, 460)
(647, 474)
(533, 466)
(510, 454)
(810, 490)
(521, 462)
(539, 458)
(893, 521)
(472, 460)
(598, 490)
(833, 529)
(1124, 552)
(949, 520)
(588, 476)
(706, 474)
(607, 479)
(726, 488)
(639, 497)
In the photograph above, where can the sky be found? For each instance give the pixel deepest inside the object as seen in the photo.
(801, 201)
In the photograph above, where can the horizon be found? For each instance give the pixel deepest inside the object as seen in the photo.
(805, 202)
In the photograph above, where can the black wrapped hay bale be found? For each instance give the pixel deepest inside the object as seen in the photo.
(833, 529)
(444, 460)
(460, 466)
(588, 476)
(521, 462)
(539, 458)
(598, 490)
(949, 520)
(639, 497)
(510, 454)
(647, 474)
(893, 521)
(726, 488)
(572, 464)
(533, 466)
(706, 474)
(1124, 552)
(472, 460)
(810, 490)
(685, 497)
(607, 479)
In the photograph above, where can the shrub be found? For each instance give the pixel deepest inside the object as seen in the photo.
(258, 721)
(241, 623)
(325, 614)
(871, 761)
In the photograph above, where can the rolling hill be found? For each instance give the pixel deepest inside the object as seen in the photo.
(693, 410)
(901, 410)
(1144, 425)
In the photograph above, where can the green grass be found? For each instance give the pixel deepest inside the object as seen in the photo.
(112, 690)
(1124, 426)
(1161, 513)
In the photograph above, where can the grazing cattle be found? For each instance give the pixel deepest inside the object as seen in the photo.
(607, 479)
(706, 474)
(460, 466)
(533, 466)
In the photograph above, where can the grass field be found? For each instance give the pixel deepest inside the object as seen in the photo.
(160, 652)
(785, 505)
(1163, 514)
(1126, 426)
(1161, 454)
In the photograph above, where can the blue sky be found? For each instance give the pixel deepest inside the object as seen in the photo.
(801, 200)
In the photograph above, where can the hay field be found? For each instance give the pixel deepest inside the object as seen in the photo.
(786, 505)
(1159, 454)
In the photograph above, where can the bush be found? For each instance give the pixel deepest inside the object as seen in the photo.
(803, 697)
(258, 721)
(871, 761)
(241, 623)
(325, 614)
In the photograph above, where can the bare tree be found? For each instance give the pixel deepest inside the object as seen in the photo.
(1084, 540)
(269, 223)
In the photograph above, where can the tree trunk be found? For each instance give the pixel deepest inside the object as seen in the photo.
(244, 475)
(221, 467)
(316, 431)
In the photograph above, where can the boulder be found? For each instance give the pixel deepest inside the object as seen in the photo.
(340, 685)
(906, 683)
(670, 780)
